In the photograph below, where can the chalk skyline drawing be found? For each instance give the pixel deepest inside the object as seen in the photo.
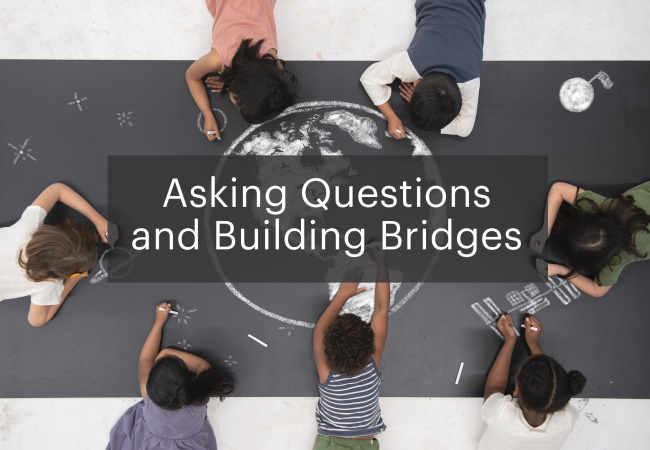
(77, 101)
(577, 94)
(530, 300)
(21, 152)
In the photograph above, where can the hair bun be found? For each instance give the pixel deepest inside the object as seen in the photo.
(577, 382)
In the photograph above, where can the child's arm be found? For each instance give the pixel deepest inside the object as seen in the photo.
(194, 363)
(559, 192)
(194, 74)
(497, 379)
(59, 192)
(151, 347)
(349, 288)
(379, 322)
(587, 285)
(39, 315)
(463, 123)
(375, 81)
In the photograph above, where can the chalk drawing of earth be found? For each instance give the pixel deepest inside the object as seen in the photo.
(307, 127)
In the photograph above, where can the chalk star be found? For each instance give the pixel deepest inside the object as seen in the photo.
(182, 317)
(124, 118)
(287, 328)
(77, 101)
(230, 361)
(184, 344)
(20, 152)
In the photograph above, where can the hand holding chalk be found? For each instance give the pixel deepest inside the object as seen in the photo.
(533, 331)
(112, 234)
(211, 128)
(395, 128)
(170, 311)
(162, 312)
(505, 325)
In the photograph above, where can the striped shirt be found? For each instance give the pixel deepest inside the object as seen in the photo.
(349, 406)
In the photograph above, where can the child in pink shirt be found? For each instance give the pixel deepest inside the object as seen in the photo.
(244, 52)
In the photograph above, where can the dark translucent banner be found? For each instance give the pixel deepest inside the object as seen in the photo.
(307, 217)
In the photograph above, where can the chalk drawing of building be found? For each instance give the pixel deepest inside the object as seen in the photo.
(530, 300)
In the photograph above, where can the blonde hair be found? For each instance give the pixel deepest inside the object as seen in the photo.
(58, 252)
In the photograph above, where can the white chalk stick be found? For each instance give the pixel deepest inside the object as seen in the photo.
(460, 370)
(212, 132)
(399, 131)
(257, 340)
(170, 311)
(532, 328)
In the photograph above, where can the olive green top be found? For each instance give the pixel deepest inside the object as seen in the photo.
(609, 274)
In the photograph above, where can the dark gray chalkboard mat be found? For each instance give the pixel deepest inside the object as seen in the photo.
(91, 348)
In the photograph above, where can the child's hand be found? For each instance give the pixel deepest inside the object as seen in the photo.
(406, 90)
(350, 283)
(532, 336)
(396, 129)
(377, 251)
(162, 316)
(214, 83)
(102, 229)
(211, 128)
(538, 240)
(505, 326)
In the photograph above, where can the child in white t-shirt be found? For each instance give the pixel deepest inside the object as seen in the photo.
(538, 414)
(45, 262)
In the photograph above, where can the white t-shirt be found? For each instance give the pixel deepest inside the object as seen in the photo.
(13, 278)
(378, 76)
(507, 428)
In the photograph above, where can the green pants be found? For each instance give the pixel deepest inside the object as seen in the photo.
(333, 442)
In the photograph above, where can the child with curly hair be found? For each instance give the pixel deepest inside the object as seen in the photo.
(43, 261)
(347, 352)
(538, 414)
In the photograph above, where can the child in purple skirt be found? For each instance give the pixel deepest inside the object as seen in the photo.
(176, 387)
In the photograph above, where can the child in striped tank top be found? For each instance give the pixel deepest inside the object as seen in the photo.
(347, 352)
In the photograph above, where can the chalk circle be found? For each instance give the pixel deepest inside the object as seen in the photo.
(576, 94)
(121, 258)
(419, 149)
(223, 115)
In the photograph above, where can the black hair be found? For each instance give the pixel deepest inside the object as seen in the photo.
(435, 101)
(349, 344)
(591, 236)
(262, 86)
(171, 385)
(544, 385)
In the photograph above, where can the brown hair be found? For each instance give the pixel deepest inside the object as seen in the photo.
(349, 344)
(57, 252)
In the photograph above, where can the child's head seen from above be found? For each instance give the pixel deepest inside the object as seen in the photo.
(544, 386)
(591, 235)
(58, 252)
(349, 344)
(171, 385)
(259, 86)
(435, 101)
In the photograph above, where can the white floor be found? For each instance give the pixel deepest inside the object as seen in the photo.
(315, 30)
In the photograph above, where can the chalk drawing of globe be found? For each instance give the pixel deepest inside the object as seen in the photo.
(308, 127)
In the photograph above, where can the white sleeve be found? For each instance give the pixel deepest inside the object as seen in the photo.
(32, 218)
(376, 78)
(574, 414)
(493, 407)
(463, 124)
(50, 294)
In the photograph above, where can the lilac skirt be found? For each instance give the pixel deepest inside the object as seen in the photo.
(145, 426)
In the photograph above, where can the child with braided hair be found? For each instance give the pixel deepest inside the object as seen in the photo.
(538, 414)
